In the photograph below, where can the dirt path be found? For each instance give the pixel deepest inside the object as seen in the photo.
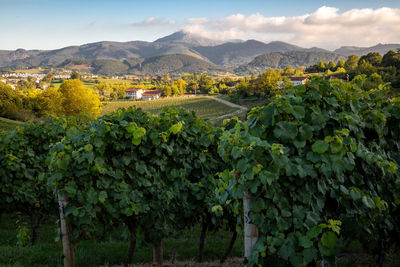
(228, 103)
(233, 105)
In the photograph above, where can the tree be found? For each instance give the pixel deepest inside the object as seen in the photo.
(205, 83)
(340, 64)
(77, 99)
(365, 67)
(103, 89)
(391, 58)
(10, 101)
(167, 91)
(181, 85)
(119, 91)
(75, 75)
(26, 85)
(351, 63)
(288, 71)
(175, 90)
(192, 87)
(243, 87)
(51, 102)
(49, 77)
(374, 58)
(331, 66)
(268, 81)
(340, 70)
(321, 66)
(372, 82)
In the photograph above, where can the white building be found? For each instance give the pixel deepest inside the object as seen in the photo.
(298, 80)
(135, 93)
(151, 95)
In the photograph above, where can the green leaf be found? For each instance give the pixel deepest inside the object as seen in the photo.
(305, 132)
(344, 190)
(320, 147)
(102, 196)
(176, 127)
(242, 165)
(299, 112)
(367, 201)
(305, 242)
(296, 260)
(314, 232)
(236, 152)
(286, 131)
(97, 142)
(329, 240)
(286, 213)
(216, 208)
(310, 254)
(354, 194)
(92, 197)
(88, 147)
(336, 147)
(71, 189)
(286, 251)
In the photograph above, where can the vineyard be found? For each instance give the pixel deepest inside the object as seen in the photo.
(204, 107)
(319, 167)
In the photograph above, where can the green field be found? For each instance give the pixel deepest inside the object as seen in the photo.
(57, 84)
(204, 107)
(6, 124)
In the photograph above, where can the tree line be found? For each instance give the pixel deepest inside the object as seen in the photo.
(377, 69)
(26, 102)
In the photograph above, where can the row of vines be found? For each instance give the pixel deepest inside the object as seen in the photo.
(319, 164)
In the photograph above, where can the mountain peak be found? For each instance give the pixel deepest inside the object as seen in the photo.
(187, 38)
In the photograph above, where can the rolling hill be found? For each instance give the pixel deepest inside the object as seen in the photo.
(238, 53)
(230, 55)
(284, 59)
(359, 51)
(157, 65)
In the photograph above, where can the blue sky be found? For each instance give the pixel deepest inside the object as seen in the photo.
(45, 24)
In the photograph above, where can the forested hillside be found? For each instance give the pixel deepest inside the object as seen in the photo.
(284, 59)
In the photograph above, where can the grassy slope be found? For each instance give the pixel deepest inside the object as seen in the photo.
(6, 124)
(204, 107)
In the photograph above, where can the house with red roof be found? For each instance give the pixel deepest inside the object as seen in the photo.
(151, 94)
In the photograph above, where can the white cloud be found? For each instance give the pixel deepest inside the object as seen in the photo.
(152, 21)
(326, 27)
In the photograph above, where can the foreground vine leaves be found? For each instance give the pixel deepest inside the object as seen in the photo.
(321, 164)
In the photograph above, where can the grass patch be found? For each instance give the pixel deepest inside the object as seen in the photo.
(57, 84)
(113, 250)
(204, 107)
(7, 124)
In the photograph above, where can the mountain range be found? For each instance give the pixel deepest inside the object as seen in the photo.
(180, 52)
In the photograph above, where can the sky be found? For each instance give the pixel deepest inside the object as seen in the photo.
(52, 24)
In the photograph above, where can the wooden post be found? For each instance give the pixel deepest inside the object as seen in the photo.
(250, 230)
(68, 250)
(158, 257)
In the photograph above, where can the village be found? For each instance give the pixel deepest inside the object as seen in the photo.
(133, 84)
